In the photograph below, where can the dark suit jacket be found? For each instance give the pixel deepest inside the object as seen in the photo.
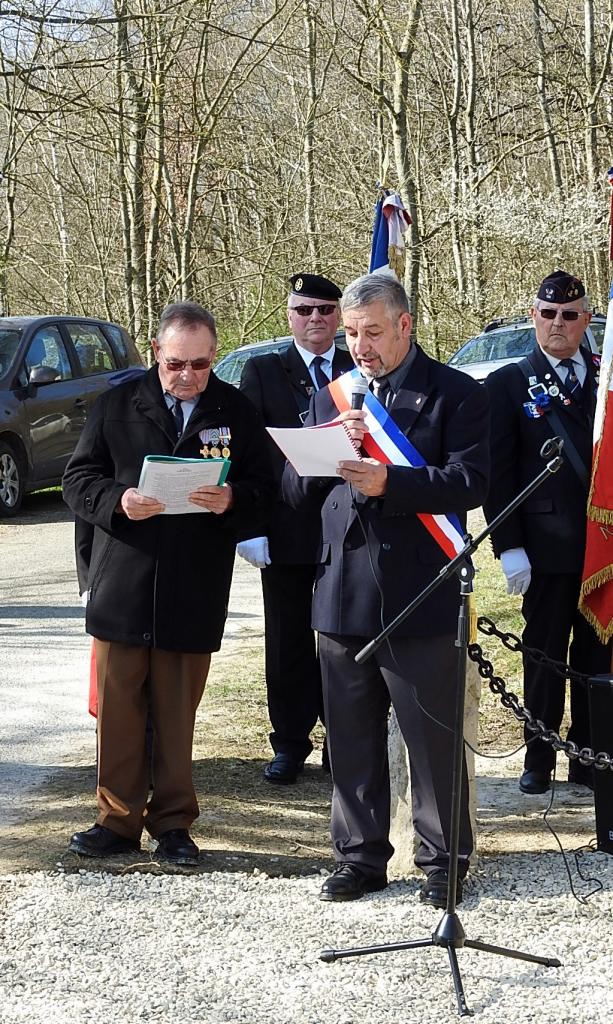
(280, 387)
(445, 415)
(164, 581)
(550, 524)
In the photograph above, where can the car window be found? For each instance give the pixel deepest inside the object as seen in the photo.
(48, 349)
(9, 343)
(226, 370)
(597, 327)
(230, 367)
(93, 350)
(117, 338)
(495, 345)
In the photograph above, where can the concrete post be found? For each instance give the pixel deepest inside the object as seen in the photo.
(401, 833)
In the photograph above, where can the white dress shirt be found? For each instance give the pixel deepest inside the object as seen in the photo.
(326, 357)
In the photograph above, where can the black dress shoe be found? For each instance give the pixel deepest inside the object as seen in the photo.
(283, 769)
(533, 781)
(435, 888)
(349, 882)
(581, 774)
(99, 841)
(178, 847)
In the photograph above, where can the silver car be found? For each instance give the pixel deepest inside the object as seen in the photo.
(508, 341)
(231, 366)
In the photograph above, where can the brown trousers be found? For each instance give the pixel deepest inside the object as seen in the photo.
(132, 682)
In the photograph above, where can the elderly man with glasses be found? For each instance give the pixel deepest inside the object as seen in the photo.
(158, 584)
(285, 545)
(542, 544)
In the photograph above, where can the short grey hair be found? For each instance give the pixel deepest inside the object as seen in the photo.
(186, 314)
(376, 288)
(585, 302)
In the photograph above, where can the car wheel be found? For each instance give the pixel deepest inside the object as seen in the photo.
(12, 481)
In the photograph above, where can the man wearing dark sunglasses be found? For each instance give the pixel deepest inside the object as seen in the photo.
(158, 584)
(541, 545)
(285, 547)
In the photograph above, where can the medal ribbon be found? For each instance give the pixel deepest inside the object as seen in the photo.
(387, 444)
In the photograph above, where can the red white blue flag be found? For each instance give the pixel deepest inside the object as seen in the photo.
(596, 601)
(391, 223)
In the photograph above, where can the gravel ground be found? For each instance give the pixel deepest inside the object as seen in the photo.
(228, 947)
(245, 948)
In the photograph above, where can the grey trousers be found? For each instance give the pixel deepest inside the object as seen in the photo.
(418, 676)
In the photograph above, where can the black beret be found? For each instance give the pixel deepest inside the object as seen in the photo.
(561, 287)
(314, 287)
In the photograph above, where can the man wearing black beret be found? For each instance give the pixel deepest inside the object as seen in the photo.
(285, 546)
(542, 544)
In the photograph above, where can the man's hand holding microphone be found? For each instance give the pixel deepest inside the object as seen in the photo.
(367, 475)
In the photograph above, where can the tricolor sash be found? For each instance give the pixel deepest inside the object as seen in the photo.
(387, 444)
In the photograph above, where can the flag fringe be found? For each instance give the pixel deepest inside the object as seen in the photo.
(600, 515)
(604, 635)
(598, 579)
(396, 259)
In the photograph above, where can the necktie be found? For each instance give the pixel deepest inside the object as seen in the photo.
(177, 415)
(571, 383)
(321, 379)
(383, 392)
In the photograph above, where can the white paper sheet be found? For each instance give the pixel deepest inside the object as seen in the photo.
(171, 482)
(315, 451)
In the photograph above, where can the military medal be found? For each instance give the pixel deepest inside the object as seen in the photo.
(225, 437)
(215, 442)
(554, 391)
(210, 440)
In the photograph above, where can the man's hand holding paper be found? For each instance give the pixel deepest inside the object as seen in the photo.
(139, 506)
(212, 498)
(368, 476)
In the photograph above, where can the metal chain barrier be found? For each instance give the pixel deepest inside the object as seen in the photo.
(585, 755)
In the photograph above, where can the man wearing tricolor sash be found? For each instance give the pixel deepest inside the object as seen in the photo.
(390, 522)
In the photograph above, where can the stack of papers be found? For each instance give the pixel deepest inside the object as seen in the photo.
(316, 451)
(171, 480)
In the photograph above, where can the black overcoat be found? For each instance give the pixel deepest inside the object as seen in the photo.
(550, 524)
(280, 387)
(371, 567)
(163, 582)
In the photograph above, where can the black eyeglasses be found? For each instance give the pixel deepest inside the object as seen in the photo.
(548, 313)
(326, 309)
(175, 365)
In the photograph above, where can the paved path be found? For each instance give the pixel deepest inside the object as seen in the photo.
(44, 665)
(43, 681)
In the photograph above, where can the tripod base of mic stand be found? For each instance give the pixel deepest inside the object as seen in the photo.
(449, 935)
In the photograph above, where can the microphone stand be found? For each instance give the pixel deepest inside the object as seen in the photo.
(449, 932)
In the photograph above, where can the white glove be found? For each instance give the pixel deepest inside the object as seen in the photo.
(255, 551)
(517, 569)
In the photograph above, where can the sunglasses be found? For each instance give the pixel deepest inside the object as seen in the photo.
(326, 309)
(175, 365)
(567, 314)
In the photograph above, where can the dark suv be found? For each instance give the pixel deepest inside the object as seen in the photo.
(52, 368)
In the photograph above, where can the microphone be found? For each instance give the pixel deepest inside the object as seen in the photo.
(358, 392)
